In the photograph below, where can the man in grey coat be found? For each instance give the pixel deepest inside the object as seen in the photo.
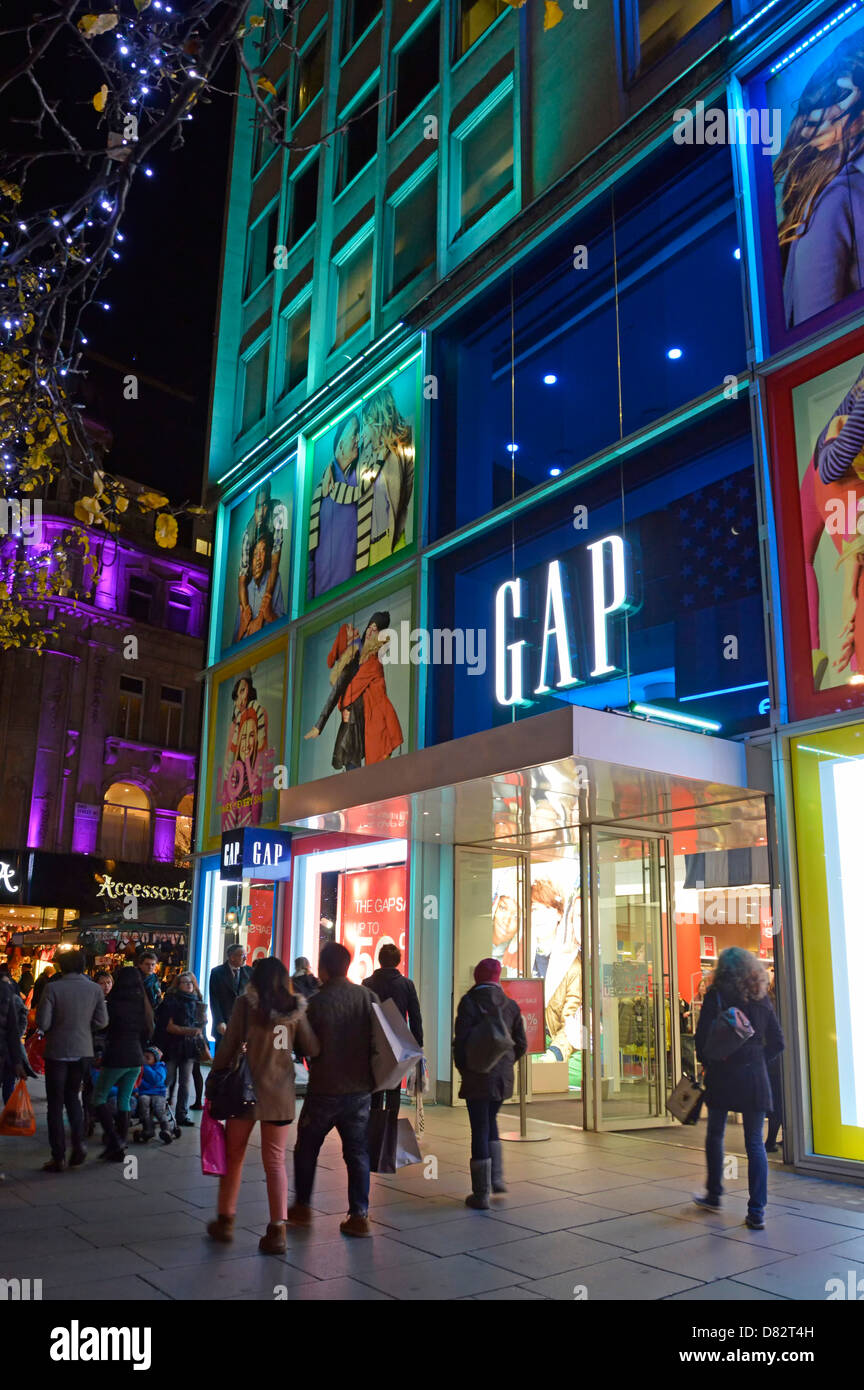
(71, 1007)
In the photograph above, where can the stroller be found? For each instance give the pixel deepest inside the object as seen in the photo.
(150, 1109)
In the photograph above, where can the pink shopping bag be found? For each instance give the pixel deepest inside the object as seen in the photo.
(213, 1156)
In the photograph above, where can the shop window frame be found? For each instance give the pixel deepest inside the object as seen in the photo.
(260, 344)
(368, 98)
(293, 180)
(273, 209)
(427, 171)
(466, 238)
(293, 117)
(364, 234)
(285, 319)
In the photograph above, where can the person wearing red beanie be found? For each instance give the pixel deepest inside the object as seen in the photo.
(489, 1037)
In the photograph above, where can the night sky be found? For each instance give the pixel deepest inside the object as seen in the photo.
(163, 297)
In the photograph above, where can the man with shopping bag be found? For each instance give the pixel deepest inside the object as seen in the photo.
(387, 982)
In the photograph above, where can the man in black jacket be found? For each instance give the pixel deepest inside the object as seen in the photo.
(227, 983)
(12, 1057)
(340, 1084)
(388, 983)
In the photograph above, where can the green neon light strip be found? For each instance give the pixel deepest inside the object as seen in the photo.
(672, 717)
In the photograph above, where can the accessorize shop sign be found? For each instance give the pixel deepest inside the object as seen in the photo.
(603, 593)
(111, 888)
(264, 854)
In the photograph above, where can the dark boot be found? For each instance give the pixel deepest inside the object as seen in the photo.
(121, 1127)
(498, 1183)
(113, 1147)
(481, 1181)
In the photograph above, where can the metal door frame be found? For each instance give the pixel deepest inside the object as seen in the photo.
(592, 1059)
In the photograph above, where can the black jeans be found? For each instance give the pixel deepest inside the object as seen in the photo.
(63, 1089)
(179, 1071)
(10, 1081)
(484, 1127)
(350, 1115)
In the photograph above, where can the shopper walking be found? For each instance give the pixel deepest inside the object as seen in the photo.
(146, 962)
(70, 1008)
(130, 1028)
(105, 980)
(8, 1069)
(387, 982)
(13, 1060)
(339, 1091)
(227, 983)
(740, 1082)
(180, 1030)
(304, 982)
(484, 1091)
(269, 1020)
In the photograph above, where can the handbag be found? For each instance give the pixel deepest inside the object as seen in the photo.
(395, 1050)
(35, 1050)
(230, 1091)
(730, 1030)
(18, 1120)
(685, 1102)
(214, 1158)
(392, 1142)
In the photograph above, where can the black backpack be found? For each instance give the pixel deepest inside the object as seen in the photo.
(488, 1041)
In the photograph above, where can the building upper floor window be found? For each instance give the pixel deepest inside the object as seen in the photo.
(304, 201)
(183, 830)
(139, 599)
(415, 70)
(130, 707)
(297, 327)
(413, 232)
(359, 15)
(473, 19)
(354, 291)
(254, 387)
(126, 823)
(178, 617)
(661, 24)
(170, 717)
(359, 141)
(261, 249)
(310, 75)
(263, 146)
(486, 163)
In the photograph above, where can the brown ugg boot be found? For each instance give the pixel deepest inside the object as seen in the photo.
(275, 1242)
(222, 1229)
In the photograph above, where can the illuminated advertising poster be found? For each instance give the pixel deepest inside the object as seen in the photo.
(260, 921)
(256, 572)
(355, 688)
(818, 426)
(554, 948)
(245, 745)
(373, 912)
(360, 495)
(809, 177)
(828, 780)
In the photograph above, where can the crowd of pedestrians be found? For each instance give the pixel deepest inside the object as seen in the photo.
(115, 1036)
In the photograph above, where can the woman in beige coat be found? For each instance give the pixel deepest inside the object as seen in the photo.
(269, 1020)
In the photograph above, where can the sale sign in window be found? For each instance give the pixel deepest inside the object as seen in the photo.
(373, 912)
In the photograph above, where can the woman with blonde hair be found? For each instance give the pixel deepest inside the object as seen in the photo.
(387, 461)
(736, 1036)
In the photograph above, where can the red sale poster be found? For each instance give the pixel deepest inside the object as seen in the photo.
(373, 909)
(528, 994)
(259, 931)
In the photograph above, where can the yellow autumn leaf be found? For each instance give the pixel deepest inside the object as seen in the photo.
(553, 14)
(197, 511)
(86, 510)
(166, 530)
(151, 501)
(91, 25)
(100, 98)
(266, 85)
(141, 5)
(121, 503)
(256, 21)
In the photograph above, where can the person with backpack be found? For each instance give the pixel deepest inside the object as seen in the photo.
(489, 1038)
(737, 1038)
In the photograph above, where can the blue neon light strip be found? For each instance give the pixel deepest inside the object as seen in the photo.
(727, 690)
(814, 37)
(754, 19)
(671, 716)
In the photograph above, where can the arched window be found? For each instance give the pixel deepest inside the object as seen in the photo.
(183, 832)
(126, 823)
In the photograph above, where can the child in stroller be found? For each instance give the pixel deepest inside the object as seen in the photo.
(151, 1096)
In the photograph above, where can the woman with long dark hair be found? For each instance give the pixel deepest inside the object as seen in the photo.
(821, 172)
(269, 1020)
(130, 1027)
(739, 1082)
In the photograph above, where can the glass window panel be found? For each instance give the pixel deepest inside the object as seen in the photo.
(310, 76)
(254, 387)
(475, 17)
(304, 201)
(416, 70)
(486, 163)
(296, 362)
(260, 251)
(130, 707)
(414, 221)
(170, 717)
(360, 14)
(354, 291)
(664, 23)
(359, 142)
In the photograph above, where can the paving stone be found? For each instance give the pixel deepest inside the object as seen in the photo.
(131, 1230)
(347, 1256)
(130, 1289)
(461, 1237)
(643, 1197)
(256, 1277)
(795, 1235)
(44, 1244)
(558, 1215)
(79, 1268)
(805, 1277)
(550, 1253)
(640, 1231)
(710, 1257)
(612, 1281)
(336, 1290)
(24, 1217)
(452, 1277)
(724, 1291)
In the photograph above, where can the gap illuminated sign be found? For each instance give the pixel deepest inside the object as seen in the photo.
(587, 614)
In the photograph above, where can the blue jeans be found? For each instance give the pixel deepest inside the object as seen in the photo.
(484, 1127)
(179, 1071)
(757, 1162)
(350, 1115)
